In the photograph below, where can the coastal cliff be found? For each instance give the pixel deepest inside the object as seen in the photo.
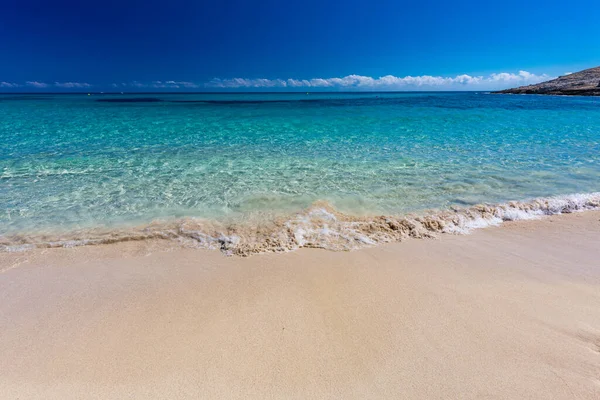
(582, 83)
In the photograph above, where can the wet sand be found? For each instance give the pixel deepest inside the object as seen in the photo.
(510, 312)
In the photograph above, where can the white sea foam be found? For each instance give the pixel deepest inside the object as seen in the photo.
(320, 226)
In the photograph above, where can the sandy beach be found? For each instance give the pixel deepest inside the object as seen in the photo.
(510, 312)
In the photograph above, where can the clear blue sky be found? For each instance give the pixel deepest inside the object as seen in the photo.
(135, 44)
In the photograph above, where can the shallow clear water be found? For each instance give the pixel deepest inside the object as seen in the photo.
(71, 161)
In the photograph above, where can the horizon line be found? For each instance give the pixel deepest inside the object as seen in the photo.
(263, 92)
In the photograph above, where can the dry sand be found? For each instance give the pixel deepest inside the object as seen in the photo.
(505, 313)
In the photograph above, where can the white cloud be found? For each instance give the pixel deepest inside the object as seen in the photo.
(174, 84)
(72, 84)
(36, 84)
(43, 85)
(158, 85)
(8, 85)
(248, 83)
(389, 82)
(184, 84)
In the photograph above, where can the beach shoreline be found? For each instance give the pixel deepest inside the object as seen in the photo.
(319, 226)
(505, 312)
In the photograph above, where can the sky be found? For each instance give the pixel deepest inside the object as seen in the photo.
(241, 45)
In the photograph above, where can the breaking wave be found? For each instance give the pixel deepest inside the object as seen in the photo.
(319, 226)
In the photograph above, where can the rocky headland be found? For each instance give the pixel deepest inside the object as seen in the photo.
(582, 83)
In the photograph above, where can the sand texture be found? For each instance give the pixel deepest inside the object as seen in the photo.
(510, 312)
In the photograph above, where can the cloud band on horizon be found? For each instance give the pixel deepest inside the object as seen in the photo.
(494, 81)
(390, 82)
(44, 85)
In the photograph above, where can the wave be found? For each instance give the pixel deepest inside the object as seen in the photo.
(320, 226)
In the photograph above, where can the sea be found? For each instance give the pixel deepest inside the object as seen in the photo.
(248, 173)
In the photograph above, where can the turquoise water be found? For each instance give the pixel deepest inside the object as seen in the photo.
(75, 162)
